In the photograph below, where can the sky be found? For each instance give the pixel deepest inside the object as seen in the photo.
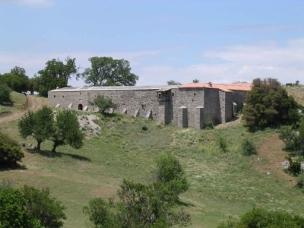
(181, 40)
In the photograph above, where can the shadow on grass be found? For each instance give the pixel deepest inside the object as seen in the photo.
(5, 167)
(185, 204)
(51, 154)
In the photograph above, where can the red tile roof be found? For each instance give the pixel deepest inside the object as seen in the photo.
(238, 86)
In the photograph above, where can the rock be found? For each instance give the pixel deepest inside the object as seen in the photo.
(285, 165)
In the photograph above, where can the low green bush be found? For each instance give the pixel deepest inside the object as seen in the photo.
(104, 104)
(300, 181)
(258, 218)
(222, 144)
(10, 151)
(29, 208)
(4, 94)
(248, 148)
(294, 166)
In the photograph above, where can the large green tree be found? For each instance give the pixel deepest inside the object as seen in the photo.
(39, 125)
(67, 130)
(16, 79)
(56, 74)
(268, 105)
(106, 71)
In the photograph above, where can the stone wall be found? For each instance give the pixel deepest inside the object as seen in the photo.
(184, 107)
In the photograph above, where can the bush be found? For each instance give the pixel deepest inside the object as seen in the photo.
(300, 181)
(268, 105)
(10, 151)
(104, 104)
(171, 176)
(144, 205)
(248, 148)
(4, 94)
(29, 208)
(13, 210)
(100, 214)
(262, 218)
(144, 128)
(41, 206)
(222, 144)
(291, 138)
(294, 166)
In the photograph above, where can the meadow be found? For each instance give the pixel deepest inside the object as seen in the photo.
(223, 183)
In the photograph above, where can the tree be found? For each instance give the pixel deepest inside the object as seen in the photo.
(40, 205)
(55, 74)
(195, 81)
(40, 125)
(268, 105)
(66, 130)
(10, 151)
(142, 205)
(106, 71)
(12, 210)
(103, 104)
(263, 218)
(29, 208)
(4, 94)
(16, 79)
(171, 175)
(172, 82)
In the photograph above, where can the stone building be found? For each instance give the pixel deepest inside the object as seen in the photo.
(189, 105)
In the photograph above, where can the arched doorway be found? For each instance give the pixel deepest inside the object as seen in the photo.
(80, 107)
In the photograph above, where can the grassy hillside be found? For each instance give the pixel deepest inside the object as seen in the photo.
(297, 92)
(19, 102)
(223, 184)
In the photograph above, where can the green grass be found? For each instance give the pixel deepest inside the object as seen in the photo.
(19, 102)
(222, 184)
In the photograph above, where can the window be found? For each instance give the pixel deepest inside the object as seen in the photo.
(80, 107)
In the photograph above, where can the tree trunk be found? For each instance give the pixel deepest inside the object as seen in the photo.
(38, 145)
(54, 147)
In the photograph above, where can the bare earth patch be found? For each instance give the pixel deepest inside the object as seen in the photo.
(270, 157)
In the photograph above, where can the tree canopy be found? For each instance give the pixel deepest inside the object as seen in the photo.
(55, 74)
(106, 71)
(268, 105)
(16, 79)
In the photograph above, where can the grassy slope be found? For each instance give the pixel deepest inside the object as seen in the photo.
(222, 184)
(297, 92)
(18, 100)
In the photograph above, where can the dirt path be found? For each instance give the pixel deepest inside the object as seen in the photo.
(33, 104)
(270, 157)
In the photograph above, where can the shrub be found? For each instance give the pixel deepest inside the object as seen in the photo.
(4, 94)
(41, 206)
(100, 214)
(13, 210)
(248, 148)
(268, 105)
(10, 151)
(144, 128)
(222, 144)
(104, 104)
(300, 181)
(291, 138)
(294, 166)
(264, 218)
(171, 176)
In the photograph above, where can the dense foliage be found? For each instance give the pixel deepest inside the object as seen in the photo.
(106, 71)
(40, 205)
(39, 125)
(103, 104)
(262, 218)
(248, 148)
(55, 74)
(62, 130)
(66, 130)
(16, 79)
(4, 94)
(144, 205)
(268, 105)
(10, 151)
(29, 208)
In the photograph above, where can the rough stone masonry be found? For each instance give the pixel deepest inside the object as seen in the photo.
(190, 105)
